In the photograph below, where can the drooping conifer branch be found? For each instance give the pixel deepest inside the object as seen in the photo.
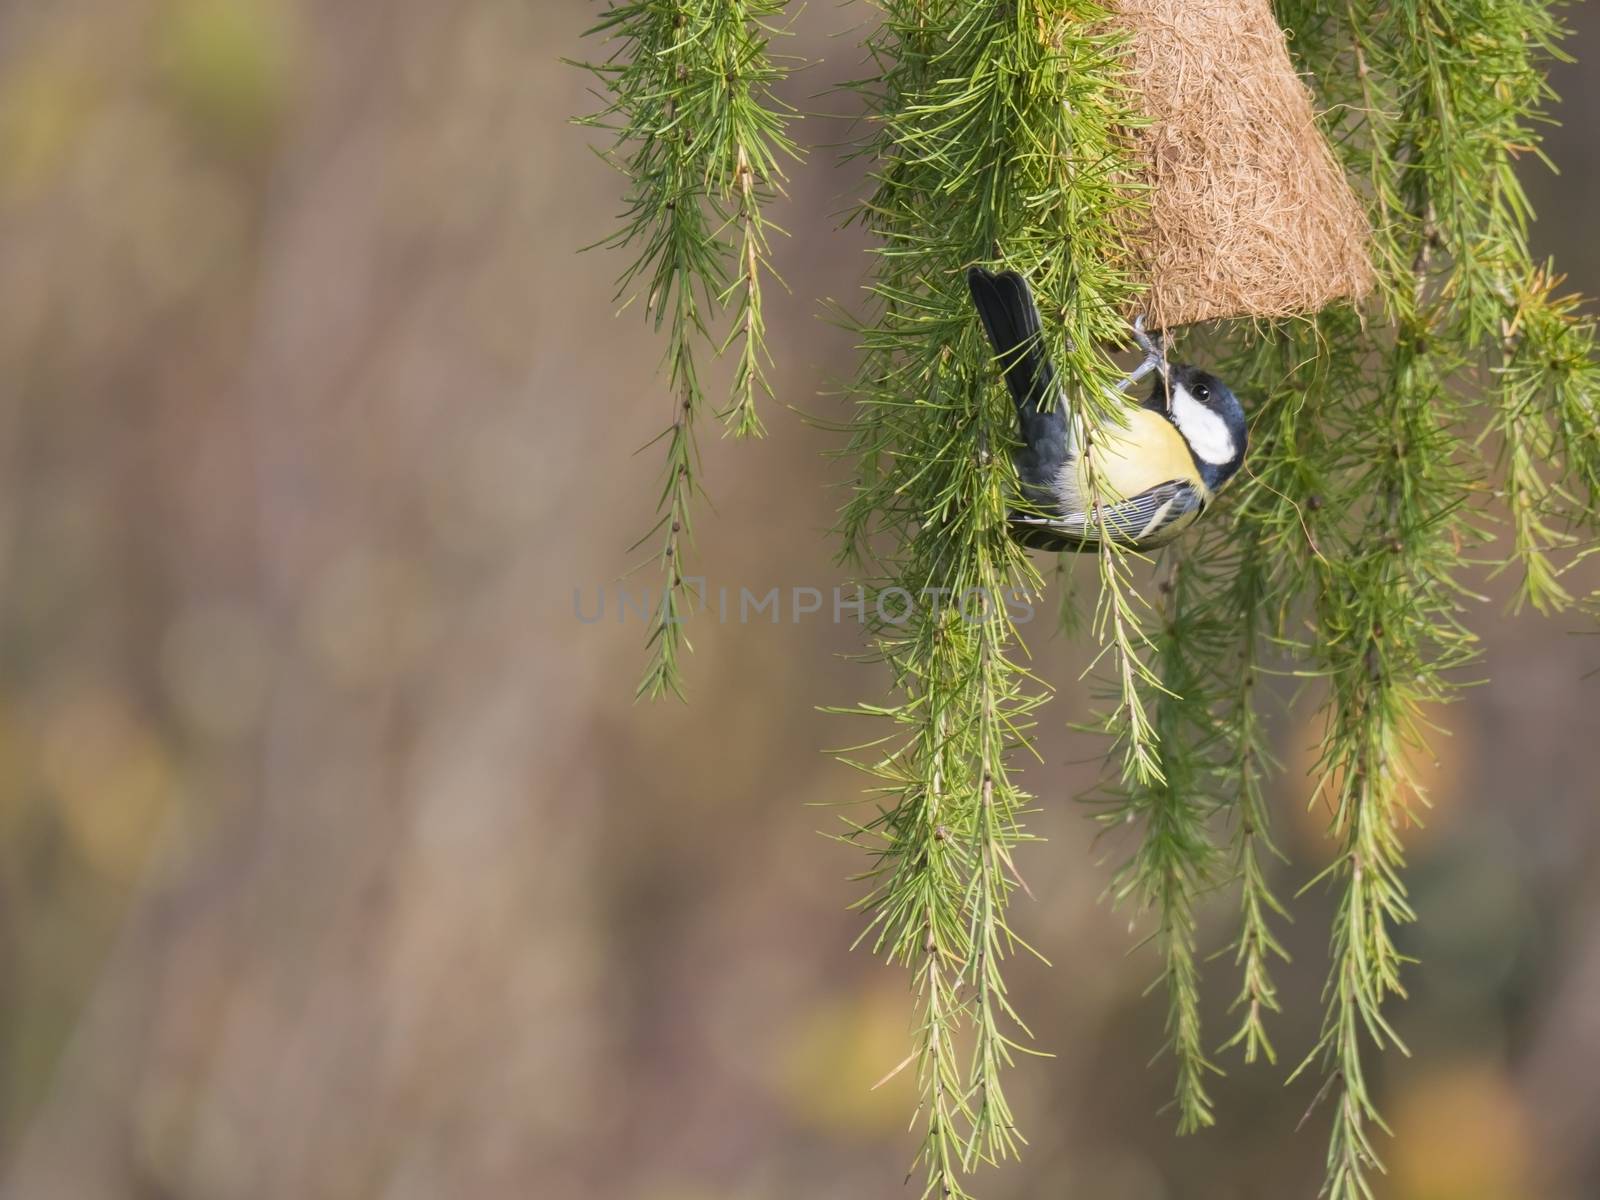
(1245, 566)
(1437, 101)
(700, 139)
(995, 136)
(1175, 861)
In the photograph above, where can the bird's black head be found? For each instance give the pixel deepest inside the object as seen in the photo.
(1210, 418)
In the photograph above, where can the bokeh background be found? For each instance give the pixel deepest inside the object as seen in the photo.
(336, 858)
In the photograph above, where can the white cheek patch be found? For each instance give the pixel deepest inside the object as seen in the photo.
(1206, 433)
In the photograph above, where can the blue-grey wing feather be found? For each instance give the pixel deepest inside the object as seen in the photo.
(1143, 519)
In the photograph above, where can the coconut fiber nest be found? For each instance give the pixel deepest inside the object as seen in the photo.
(1249, 213)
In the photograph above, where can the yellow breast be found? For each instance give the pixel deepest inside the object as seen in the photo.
(1129, 461)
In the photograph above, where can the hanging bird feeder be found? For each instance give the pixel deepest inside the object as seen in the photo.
(1249, 213)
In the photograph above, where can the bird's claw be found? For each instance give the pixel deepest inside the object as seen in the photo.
(1152, 347)
(1155, 354)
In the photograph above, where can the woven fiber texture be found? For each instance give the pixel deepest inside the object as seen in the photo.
(1249, 213)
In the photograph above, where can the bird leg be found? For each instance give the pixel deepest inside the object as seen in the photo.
(1153, 347)
(1155, 354)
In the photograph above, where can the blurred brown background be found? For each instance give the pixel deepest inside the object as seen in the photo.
(336, 859)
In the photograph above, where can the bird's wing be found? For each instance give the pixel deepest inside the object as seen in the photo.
(1152, 518)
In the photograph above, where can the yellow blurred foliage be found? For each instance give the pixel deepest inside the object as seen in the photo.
(110, 778)
(833, 1055)
(229, 65)
(46, 97)
(1460, 1134)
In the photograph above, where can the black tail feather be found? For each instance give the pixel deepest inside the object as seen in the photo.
(1009, 315)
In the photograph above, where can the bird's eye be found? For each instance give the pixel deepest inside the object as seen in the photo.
(1202, 393)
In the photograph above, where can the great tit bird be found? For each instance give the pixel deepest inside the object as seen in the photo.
(1157, 476)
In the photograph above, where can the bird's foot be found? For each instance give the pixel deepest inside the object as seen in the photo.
(1155, 354)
